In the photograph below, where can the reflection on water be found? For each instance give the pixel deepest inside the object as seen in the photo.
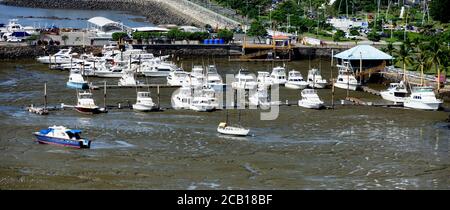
(351, 147)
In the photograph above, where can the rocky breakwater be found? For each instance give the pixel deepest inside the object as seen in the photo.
(157, 12)
(180, 12)
(9, 52)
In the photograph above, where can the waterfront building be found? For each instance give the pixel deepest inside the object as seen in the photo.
(364, 60)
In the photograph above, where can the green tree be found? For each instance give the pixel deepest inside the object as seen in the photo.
(389, 48)
(373, 36)
(65, 38)
(421, 61)
(338, 35)
(435, 54)
(225, 34)
(404, 55)
(119, 35)
(439, 10)
(257, 30)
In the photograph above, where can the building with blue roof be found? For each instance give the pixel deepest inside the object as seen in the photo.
(370, 58)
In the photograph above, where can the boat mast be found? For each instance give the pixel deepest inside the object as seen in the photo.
(45, 95)
(104, 95)
(332, 80)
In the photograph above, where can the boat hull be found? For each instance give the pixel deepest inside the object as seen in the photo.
(61, 142)
(157, 74)
(346, 86)
(84, 110)
(317, 85)
(308, 105)
(143, 107)
(76, 85)
(233, 132)
(388, 96)
(423, 106)
(294, 86)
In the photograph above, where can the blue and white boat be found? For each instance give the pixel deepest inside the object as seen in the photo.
(60, 135)
(76, 81)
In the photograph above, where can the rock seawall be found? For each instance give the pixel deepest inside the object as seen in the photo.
(11, 52)
(156, 11)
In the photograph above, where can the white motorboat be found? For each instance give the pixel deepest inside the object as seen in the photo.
(156, 68)
(396, 92)
(226, 129)
(310, 99)
(213, 78)
(244, 80)
(85, 104)
(260, 97)
(346, 79)
(202, 104)
(423, 98)
(144, 102)
(315, 79)
(115, 70)
(128, 76)
(77, 81)
(178, 78)
(295, 80)
(61, 57)
(182, 98)
(278, 75)
(263, 79)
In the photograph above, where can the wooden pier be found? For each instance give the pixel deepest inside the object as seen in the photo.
(135, 86)
(370, 90)
(357, 101)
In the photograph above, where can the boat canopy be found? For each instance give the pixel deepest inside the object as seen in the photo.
(222, 124)
(46, 131)
(74, 131)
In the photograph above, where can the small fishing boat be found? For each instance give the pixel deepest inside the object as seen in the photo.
(202, 104)
(178, 78)
(315, 79)
(244, 80)
(226, 129)
(86, 105)
(278, 75)
(60, 135)
(263, 79)
(310, 99)
(213, 78)
(346, 79)
(128, 78)
(76, 81)
(295, 80)
(396, 92)
(144, 102)
(182, 98)
(423, 98)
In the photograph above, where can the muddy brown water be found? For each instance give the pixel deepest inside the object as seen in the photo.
(350, 147)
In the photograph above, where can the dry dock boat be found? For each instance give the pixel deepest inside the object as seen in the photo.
(62, 136)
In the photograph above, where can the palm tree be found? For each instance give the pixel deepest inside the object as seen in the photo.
(421, 61)
(435, 56)
(389, 48)
(404, 55)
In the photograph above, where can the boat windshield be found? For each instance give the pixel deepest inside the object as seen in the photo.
(73, 135)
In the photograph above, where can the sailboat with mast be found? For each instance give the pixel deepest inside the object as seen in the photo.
(237, 130)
